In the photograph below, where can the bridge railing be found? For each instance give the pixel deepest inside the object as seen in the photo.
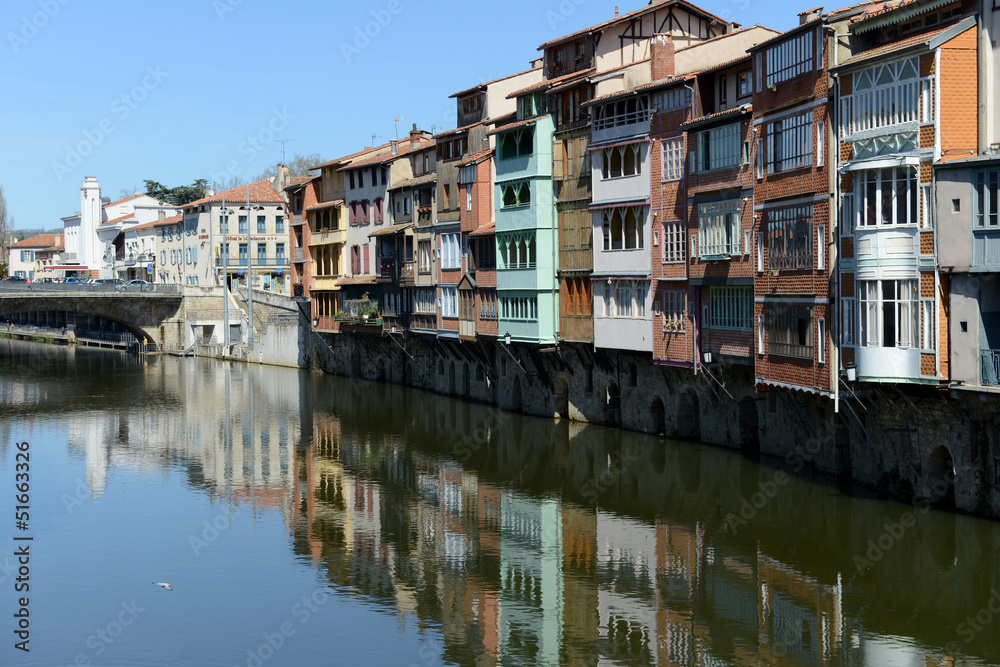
(7, 287)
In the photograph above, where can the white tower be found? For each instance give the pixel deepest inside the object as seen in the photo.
(90, 218)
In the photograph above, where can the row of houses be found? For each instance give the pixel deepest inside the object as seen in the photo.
(815, 203)
(236, 233)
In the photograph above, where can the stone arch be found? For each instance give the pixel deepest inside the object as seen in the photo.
(356, 361)
(657, 416)
(515, 396)
(940, 478)
(451, 379)
(380, 375)
(688, 416)
(749, 426)
(466, 380)
(407, 374)
(560, 397)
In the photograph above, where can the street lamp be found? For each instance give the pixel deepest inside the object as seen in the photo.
(506, 338)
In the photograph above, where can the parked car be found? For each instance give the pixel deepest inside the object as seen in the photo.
(138, 281)
(14, 279)
(109, 281)
(74, 279)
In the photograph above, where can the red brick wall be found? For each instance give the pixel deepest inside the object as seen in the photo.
(302, 273)
(959, 81)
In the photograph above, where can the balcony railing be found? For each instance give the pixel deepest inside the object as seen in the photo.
(900, 103)
(387, 269)
(991, 368)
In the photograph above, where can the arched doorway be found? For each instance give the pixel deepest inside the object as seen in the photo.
(657, 416)
(688, 416)
(614, 399)
(560, 398)
(940, 478)
(515, 396)
(749, 426)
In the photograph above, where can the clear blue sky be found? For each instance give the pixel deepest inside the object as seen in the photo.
(173, 91)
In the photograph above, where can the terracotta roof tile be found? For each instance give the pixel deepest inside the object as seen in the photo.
(324, 205)
(482, 86)
(638, 89)
(404, 149)
(545, 84)
(365, 151)
(502, 119)
(123, 218)
(893, 47)
(261, 192)
(167, 222)
(39, 241)
(485, 230)
(624, 18)
(742, 109)
(356, 280)
(477, 157)
(465, 128)
(514, 126)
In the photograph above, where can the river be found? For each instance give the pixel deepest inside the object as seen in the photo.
(304, 519)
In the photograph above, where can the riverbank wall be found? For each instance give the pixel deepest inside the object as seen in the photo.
(919, 444)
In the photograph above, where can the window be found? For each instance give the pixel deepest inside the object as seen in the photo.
(789, 238)
(279, 224)
(517, 143)
(621, 113)
(361, 178)
(451, 251)
(790, 331)
(519, 308)
(723, 85)
(744, 83)
(424, 256)
(731, 308)
(674, 232)
(673, 159)
(847, 329)
(887, 196)
(261, 224)
(719, 229)
(760, 334)
(719, 147)
(279, 252)
(488, 304)
(532, 105)
(623, 299)
(515, 194)
(820, 142)
(821, 341)
(424, 301)
(351, 175)
(986, 210)
(468, 197)
(886, 95)
(927, 325)
(516, 251)
(449, 301)
(890, 313)
(624, 227)
(577, 296)
(789, 143)
(621, 161)
(243, 224)
(163, 257)
(673, 311)
(677, 98)
(790, 58)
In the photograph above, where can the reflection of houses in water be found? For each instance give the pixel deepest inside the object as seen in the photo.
(531, 578)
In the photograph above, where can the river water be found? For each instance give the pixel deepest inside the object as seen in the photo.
(310, 520)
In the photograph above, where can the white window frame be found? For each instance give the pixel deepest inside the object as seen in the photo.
(791, 58)
(871, 212)
(673, 159)
(449, 301)
(789, 143)
(719, 229)
(731, 308)
(451, 251)
(719, 147)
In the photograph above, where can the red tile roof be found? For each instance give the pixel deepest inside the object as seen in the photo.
(261, 192)
(403, 150)
(638, 89)
(121, 201)
(893, 47)
(365, 151)
(502, 119)
(742, 109)
(167, 222)
(624, 18)
(485, 230)
(482, 86)
(357, 280)
(466, 128)
(123, 218)
(548, 83)
(176, 219)
(324, 205)
(514, 126)
(39, 241)
(476, 158)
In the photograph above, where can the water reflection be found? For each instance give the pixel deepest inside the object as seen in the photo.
(527, 541)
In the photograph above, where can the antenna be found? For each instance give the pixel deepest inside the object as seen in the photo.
(282, 142)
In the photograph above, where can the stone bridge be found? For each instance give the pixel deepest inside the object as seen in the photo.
(159, 316)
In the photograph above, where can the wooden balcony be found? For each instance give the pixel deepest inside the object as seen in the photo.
(325, 283)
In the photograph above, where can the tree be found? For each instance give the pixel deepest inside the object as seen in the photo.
(297, 166)
(178, 196)
(6, 224)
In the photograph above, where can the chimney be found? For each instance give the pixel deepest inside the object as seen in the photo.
(414, 136)
(616, 11)
(662, 57)
(811, 15)
(394, 150)
(161, 215)
(281, 178)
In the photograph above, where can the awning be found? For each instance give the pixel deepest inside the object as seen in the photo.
(884, 163)
(67, 268)
(391, 229)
